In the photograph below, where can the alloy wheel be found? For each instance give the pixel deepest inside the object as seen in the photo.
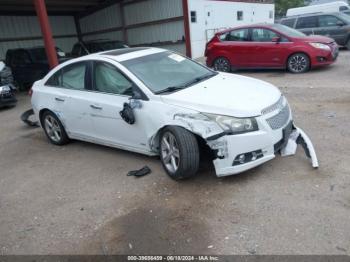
(170, 152)
(298, 63)
(222, 65)
(53, 129)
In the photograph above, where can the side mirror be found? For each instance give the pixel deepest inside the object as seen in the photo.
(340, 23)
(276, 39)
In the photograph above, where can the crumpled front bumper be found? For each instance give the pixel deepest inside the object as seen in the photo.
(264, 144)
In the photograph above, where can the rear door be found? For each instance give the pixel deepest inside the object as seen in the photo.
(71, 99)
(237, 46)
(308, 25)
(333, 27)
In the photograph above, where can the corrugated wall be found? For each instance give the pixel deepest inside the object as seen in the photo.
(109, 17)
(146, 15)
(25, 31)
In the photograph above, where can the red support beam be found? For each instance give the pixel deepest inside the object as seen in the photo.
(187, 28)
(41, 12)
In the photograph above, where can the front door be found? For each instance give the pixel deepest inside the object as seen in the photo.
(267, 53)
(112, 89)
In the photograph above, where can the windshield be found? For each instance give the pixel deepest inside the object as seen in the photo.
(167, 71)
(288, 31)
(345, 16)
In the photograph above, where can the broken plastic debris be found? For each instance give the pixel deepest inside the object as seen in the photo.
(298, 137)
(141, 172)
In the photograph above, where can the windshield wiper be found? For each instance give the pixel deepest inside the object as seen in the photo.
(200, 78)
(179, 87)
(170, 89)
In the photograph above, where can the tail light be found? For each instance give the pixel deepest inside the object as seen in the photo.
(30, 92)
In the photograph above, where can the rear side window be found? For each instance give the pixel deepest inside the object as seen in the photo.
(237, 35)
(328, 20)
(289, 22)
(71, 76)
(307, 22)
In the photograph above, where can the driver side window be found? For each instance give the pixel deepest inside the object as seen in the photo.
(263, 35)
(108, 79)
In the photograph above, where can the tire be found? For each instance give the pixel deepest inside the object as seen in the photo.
(298, 63)
(179, 153)
(222, 64)
(54, 129)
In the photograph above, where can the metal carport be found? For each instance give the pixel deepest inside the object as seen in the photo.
(161, 19)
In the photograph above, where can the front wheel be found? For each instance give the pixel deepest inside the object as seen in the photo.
(222, 64)
(179, 152)
(298, 63)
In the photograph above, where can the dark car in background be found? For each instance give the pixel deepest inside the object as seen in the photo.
(94, 46)
(7, 89)
(30, 64)
(333, 25)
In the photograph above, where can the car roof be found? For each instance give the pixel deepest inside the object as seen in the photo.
(311, 14)
(124, 54)
(261, 25)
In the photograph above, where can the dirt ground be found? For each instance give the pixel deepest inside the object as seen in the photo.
(77, 199)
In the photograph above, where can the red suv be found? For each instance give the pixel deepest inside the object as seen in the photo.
(269, 46)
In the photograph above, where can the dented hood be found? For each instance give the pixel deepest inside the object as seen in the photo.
(226, 94)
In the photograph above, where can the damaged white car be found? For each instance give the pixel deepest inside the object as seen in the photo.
(156, 102)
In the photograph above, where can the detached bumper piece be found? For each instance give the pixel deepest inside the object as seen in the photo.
(298, 137)
(26, 118)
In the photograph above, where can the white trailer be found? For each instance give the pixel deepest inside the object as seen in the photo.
(208, 17)
(338, 6)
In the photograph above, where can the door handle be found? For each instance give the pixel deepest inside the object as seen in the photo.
(59, 99)
(96, 107)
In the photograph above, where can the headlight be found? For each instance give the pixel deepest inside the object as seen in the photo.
(320, 46)
(235, 125)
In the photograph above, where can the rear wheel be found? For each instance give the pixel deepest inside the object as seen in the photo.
(222, 64)
(298, 63)
(53, 128)
(179, 152)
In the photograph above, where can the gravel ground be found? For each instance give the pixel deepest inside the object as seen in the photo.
(77, 199)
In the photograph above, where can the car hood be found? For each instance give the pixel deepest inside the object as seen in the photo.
(317, 39)
(226, 94)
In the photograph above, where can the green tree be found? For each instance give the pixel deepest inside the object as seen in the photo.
(283, 5)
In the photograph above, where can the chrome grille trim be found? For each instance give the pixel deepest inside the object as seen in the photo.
(281, 119)
(274, 107)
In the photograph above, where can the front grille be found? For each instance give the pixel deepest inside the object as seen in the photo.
(279, 120)
(278, 105)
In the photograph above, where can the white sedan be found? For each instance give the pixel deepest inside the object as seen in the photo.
(156, 102)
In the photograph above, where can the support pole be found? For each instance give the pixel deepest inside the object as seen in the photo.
(187, 28)
(41, 12)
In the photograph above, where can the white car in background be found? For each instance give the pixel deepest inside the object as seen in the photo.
(156, 102)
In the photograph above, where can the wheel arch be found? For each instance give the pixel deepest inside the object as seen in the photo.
(156, 137)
